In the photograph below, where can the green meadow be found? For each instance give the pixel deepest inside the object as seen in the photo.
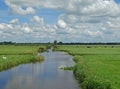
(97, 66)
(11, 55)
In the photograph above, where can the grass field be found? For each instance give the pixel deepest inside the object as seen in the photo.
(97, 67)
(15, 55)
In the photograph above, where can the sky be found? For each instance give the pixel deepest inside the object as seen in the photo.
(62, 20)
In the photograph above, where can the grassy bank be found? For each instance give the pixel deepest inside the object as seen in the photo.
(97, 67)
(11, 55)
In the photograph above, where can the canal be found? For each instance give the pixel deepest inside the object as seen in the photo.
(44, 75)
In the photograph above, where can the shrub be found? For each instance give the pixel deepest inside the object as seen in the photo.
(79, 72)
(93, 82)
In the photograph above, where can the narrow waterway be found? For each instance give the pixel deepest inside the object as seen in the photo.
(45, 75)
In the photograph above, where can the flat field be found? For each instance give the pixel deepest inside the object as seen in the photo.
(11, 55)
(97, 66)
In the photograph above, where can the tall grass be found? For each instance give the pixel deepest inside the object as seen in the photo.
(96, 67)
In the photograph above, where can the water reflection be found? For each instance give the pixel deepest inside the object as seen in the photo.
(45, 75)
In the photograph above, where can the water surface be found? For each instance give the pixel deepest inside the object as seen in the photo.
(45, 75)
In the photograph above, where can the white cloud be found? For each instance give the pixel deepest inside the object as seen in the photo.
(38, 20)
(92, 7)
(81, 7)
(17, 9)
(25, 32)
(27, 29)
(62, 24)
(37, 3)
(93, 34)
(2, 26)
(81, 20)
(14, 21)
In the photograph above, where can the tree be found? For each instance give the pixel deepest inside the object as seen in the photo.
(55, 42)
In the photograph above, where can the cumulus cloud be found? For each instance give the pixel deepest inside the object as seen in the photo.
(62, 24)
(37, 19)
(17, 9)
(81, 20)
(91, 7)
(4, 26)
(25, 32)
(37, 3)
(14, 21)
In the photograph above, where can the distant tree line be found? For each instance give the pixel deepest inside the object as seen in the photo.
(58, 43)
(14, 43)
(7, 43)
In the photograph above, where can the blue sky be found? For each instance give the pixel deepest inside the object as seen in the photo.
(3, 6)
(117, 1)
(50, 15)
(62, 20)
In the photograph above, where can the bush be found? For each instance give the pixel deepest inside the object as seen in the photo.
(93, 82)
(41, 49)
(38, 59)
(79, 72)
